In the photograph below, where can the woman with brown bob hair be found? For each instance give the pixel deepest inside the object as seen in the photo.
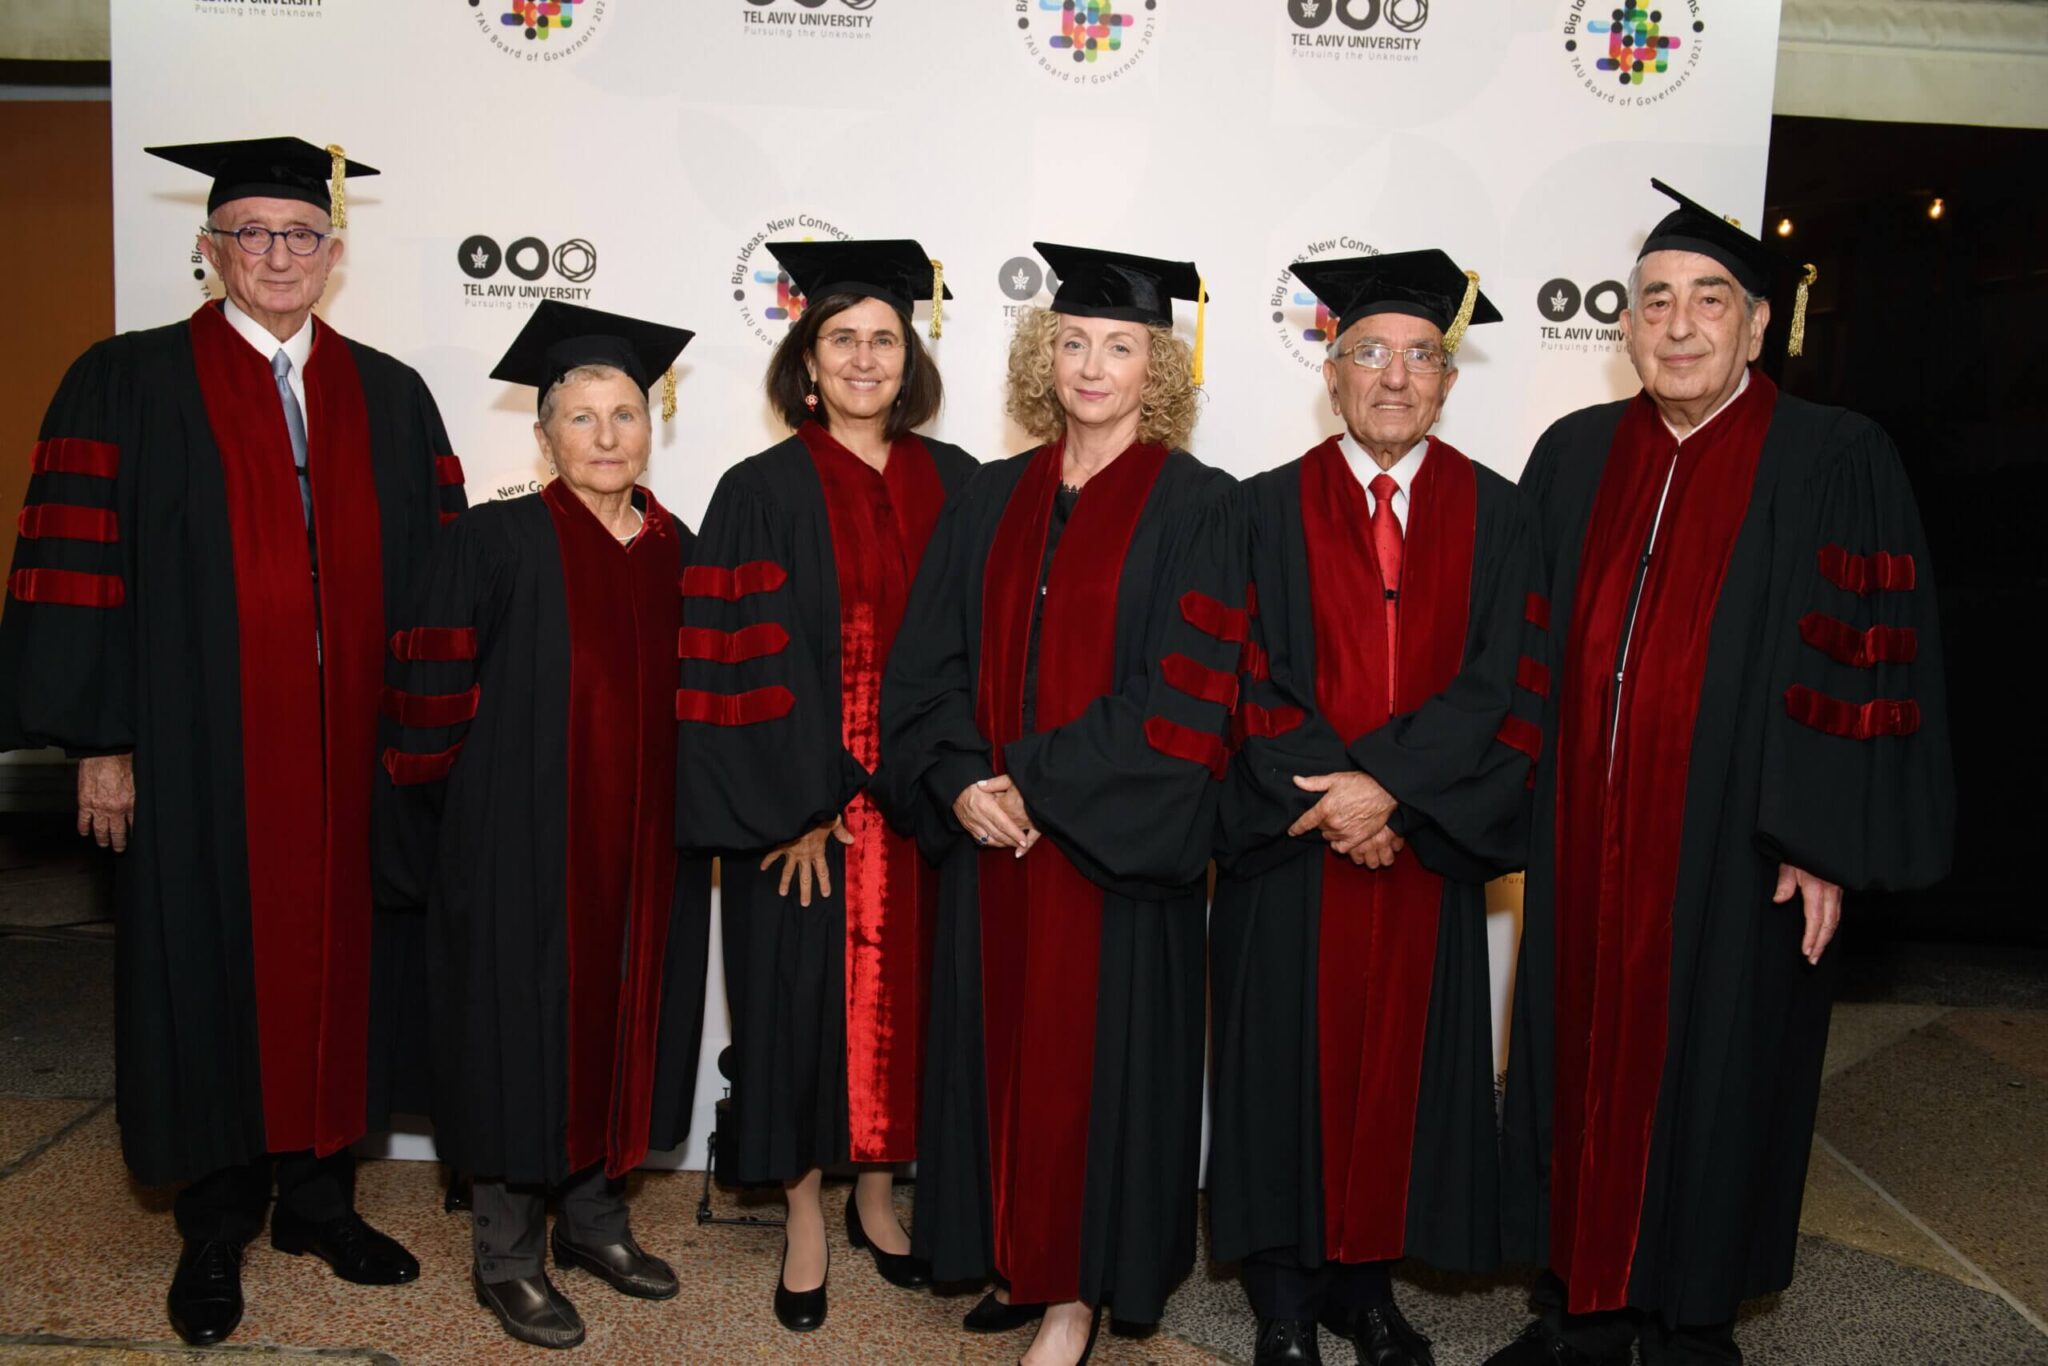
(790, 609)
(1053, 726)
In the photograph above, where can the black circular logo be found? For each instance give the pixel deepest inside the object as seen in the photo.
(479, 257)
(1358, 14)
(575, 260)
(1615, 296)
(527, 258)
(1310, 13)
(1558, 300)
(1407, 15)
(1021, 278)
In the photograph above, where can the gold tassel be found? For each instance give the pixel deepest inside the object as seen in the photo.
(938, 294)
(1201, 327)
(340, 188)
(668, 394)
(1795, 342)
(1454, 335)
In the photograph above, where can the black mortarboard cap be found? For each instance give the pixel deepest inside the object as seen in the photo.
(1755, 266)
(559, 337)
(1423, 284)
(1113, 284)
(1693, 227)
(270, 168)
(895, 270)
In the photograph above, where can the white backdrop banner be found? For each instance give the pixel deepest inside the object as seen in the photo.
(635, 155)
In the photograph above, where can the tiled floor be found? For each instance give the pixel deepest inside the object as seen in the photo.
(1926, 1218)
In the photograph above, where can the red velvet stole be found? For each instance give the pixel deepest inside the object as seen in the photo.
(623, 613)
(307, 819)
(1041, 919)
(1619, 820)
(1376, 950)
(881, 522)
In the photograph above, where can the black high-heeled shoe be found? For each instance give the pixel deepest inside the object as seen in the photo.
(799, 1311)
(898, 1268)
(996, 1316)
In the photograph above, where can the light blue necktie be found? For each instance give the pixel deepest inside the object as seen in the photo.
(295, 424)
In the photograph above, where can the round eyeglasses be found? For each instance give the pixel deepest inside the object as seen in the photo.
(1420, 360)
(256, 239)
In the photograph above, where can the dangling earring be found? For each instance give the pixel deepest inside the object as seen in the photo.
(811, 399)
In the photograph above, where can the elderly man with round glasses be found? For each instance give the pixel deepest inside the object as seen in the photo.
(224, 522)
(1389, 691)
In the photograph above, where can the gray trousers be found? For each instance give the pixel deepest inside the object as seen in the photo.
(508, 1224)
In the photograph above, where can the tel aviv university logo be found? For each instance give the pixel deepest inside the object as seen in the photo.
(1357, 30)
(1586, 318)
(538, 31)
(524, 271)
(808, 19)
(1086, 42)
(1025, 282)
(1634, 54)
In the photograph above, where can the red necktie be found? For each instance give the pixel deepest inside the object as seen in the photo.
(1386, 546)
(1386, 531)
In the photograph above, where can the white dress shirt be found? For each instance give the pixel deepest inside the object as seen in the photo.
(297, 347)
(1365, 469)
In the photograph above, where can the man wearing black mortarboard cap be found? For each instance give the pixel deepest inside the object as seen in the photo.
(1387, 720)
(225, 519)
(535, 771)
(1749, 718)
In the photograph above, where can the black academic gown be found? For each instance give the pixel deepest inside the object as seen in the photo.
(534, 774)
(747, 785)
(1126, 792)
(123, 633)
(1463, 813)
(1828, 520)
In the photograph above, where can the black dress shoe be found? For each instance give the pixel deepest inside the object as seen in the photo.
(206, 1293)
(898, 1268)
(994, 1316)
(1287, 1342)
(530, 1309)
(1540, 1346)
(356, 1251)
(625, 1266)
(455, 1200)
(799, 1311)
(1384, 1337)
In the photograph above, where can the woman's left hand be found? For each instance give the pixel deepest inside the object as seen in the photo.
(804, 859)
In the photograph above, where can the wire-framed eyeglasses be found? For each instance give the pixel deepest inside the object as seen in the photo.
(1420, 360)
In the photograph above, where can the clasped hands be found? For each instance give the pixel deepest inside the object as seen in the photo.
(1352, 811)
(993, 814)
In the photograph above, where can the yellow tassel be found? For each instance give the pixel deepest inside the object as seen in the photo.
(1201, 327)
(938, 294)
(1795, 342)
(668, 394)
(339, 192)
(1454, 335)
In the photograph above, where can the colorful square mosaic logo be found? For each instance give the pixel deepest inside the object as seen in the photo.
(1319, 329)
(538, 18)
(1088, 28)
(789, 302)
(1636, 45)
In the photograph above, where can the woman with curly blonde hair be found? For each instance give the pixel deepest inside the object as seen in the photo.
(1053, 728)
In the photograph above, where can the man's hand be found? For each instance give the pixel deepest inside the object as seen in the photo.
(106, 799)
(1352, 809)
(992, 813)
(1377, 851)
(804, 858)
(1822, 901)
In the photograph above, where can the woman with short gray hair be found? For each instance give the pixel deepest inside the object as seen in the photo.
(535, 776)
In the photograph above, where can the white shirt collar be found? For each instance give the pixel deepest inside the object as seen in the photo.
(1740, 385)
(298, 346)
(1366, 469)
